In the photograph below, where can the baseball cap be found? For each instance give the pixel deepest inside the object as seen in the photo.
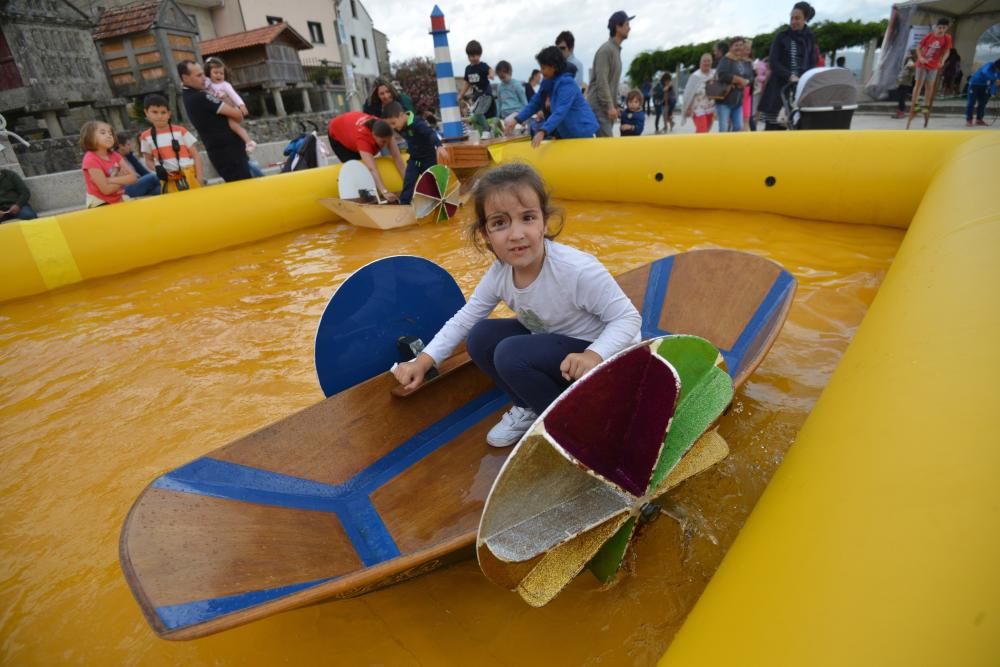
(618, 18)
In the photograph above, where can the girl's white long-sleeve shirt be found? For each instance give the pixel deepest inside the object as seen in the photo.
(573, 295)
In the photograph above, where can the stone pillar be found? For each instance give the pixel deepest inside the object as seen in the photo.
(279, 104)
(328, 99)
(262, 103)
(52, 124)
(306, 105)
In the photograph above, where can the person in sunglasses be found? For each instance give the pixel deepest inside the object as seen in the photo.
(169, 150)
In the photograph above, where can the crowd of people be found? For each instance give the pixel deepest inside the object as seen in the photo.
(728, 90)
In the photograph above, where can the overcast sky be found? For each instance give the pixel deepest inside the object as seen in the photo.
(515, 30)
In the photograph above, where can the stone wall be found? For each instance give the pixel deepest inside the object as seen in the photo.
(48, 156)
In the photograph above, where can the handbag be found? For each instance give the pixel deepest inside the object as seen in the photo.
(716, 90)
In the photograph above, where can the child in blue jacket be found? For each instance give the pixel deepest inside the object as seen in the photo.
(571, 116)
(632, 116)
(422, 143)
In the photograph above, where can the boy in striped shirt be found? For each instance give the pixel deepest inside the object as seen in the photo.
(169, 150)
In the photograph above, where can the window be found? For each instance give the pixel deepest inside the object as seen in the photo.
(10, 76)
(273, 20)
(354, 11)
(364, 45)
(315, 32)
(354, 44)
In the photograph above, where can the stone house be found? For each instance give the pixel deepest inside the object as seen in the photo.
(52, 77)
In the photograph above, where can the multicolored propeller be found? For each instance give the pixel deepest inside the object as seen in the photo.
(437, 194)
(589, 470)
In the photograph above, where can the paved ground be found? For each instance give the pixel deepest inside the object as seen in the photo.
(863, 121)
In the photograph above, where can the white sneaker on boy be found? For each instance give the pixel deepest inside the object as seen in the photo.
(512, 425)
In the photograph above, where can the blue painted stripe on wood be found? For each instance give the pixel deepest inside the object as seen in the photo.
(765, 311)
(448, 100)
(429, 440)
(232, 481)
(350, 501)
(200, 611)
(444, 70)
(440, 38)
(656, 292)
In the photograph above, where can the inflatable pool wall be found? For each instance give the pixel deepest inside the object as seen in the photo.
(877, 542)
(40, 255)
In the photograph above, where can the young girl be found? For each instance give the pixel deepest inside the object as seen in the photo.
(104, 171)
(571, 314)
(215, 83)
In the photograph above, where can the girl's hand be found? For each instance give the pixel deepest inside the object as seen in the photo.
(411, 373)
(578, 363)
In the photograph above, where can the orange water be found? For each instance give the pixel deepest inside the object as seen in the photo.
(108, 384)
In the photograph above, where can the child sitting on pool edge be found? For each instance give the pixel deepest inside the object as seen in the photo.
(571, 314)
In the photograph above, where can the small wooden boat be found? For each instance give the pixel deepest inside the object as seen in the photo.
(372, 486)
(435, 197)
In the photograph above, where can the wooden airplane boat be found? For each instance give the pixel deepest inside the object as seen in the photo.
(436, 194)
(368, 488)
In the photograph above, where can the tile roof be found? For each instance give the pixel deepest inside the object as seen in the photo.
(126, 20)
(255, 37)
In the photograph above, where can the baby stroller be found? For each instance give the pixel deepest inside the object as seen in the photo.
(305, 151)
(824, 99)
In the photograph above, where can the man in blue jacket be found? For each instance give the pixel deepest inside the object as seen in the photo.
(570, 115)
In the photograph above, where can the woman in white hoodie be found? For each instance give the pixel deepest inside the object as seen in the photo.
(696, 105)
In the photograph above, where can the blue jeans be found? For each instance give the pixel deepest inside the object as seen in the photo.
(26, 213)
(146, 185)
(978, 96)
(413, 170)
(523, 364)
(730, 118)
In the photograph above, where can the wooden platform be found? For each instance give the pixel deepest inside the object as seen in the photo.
(467, 155)
(366, 489)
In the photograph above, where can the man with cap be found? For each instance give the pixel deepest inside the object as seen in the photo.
(606, 73)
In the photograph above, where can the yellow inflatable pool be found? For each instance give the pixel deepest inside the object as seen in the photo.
(877, 540)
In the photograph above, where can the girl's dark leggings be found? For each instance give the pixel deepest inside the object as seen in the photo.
(523, 364)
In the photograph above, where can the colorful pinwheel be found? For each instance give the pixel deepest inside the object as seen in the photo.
(437, 194)
(574, 488)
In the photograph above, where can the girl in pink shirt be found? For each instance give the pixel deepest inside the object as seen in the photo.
(216, 84)
(104, 171)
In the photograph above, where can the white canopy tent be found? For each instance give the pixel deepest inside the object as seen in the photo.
(970, 19)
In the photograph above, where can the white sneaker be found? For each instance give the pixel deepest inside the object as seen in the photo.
(514, 423)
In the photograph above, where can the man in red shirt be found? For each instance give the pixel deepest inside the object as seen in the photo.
(357, 136)
(931, 56)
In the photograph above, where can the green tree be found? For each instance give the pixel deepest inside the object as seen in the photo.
(418, 79)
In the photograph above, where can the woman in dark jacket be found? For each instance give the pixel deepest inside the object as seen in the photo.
(793, 52)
